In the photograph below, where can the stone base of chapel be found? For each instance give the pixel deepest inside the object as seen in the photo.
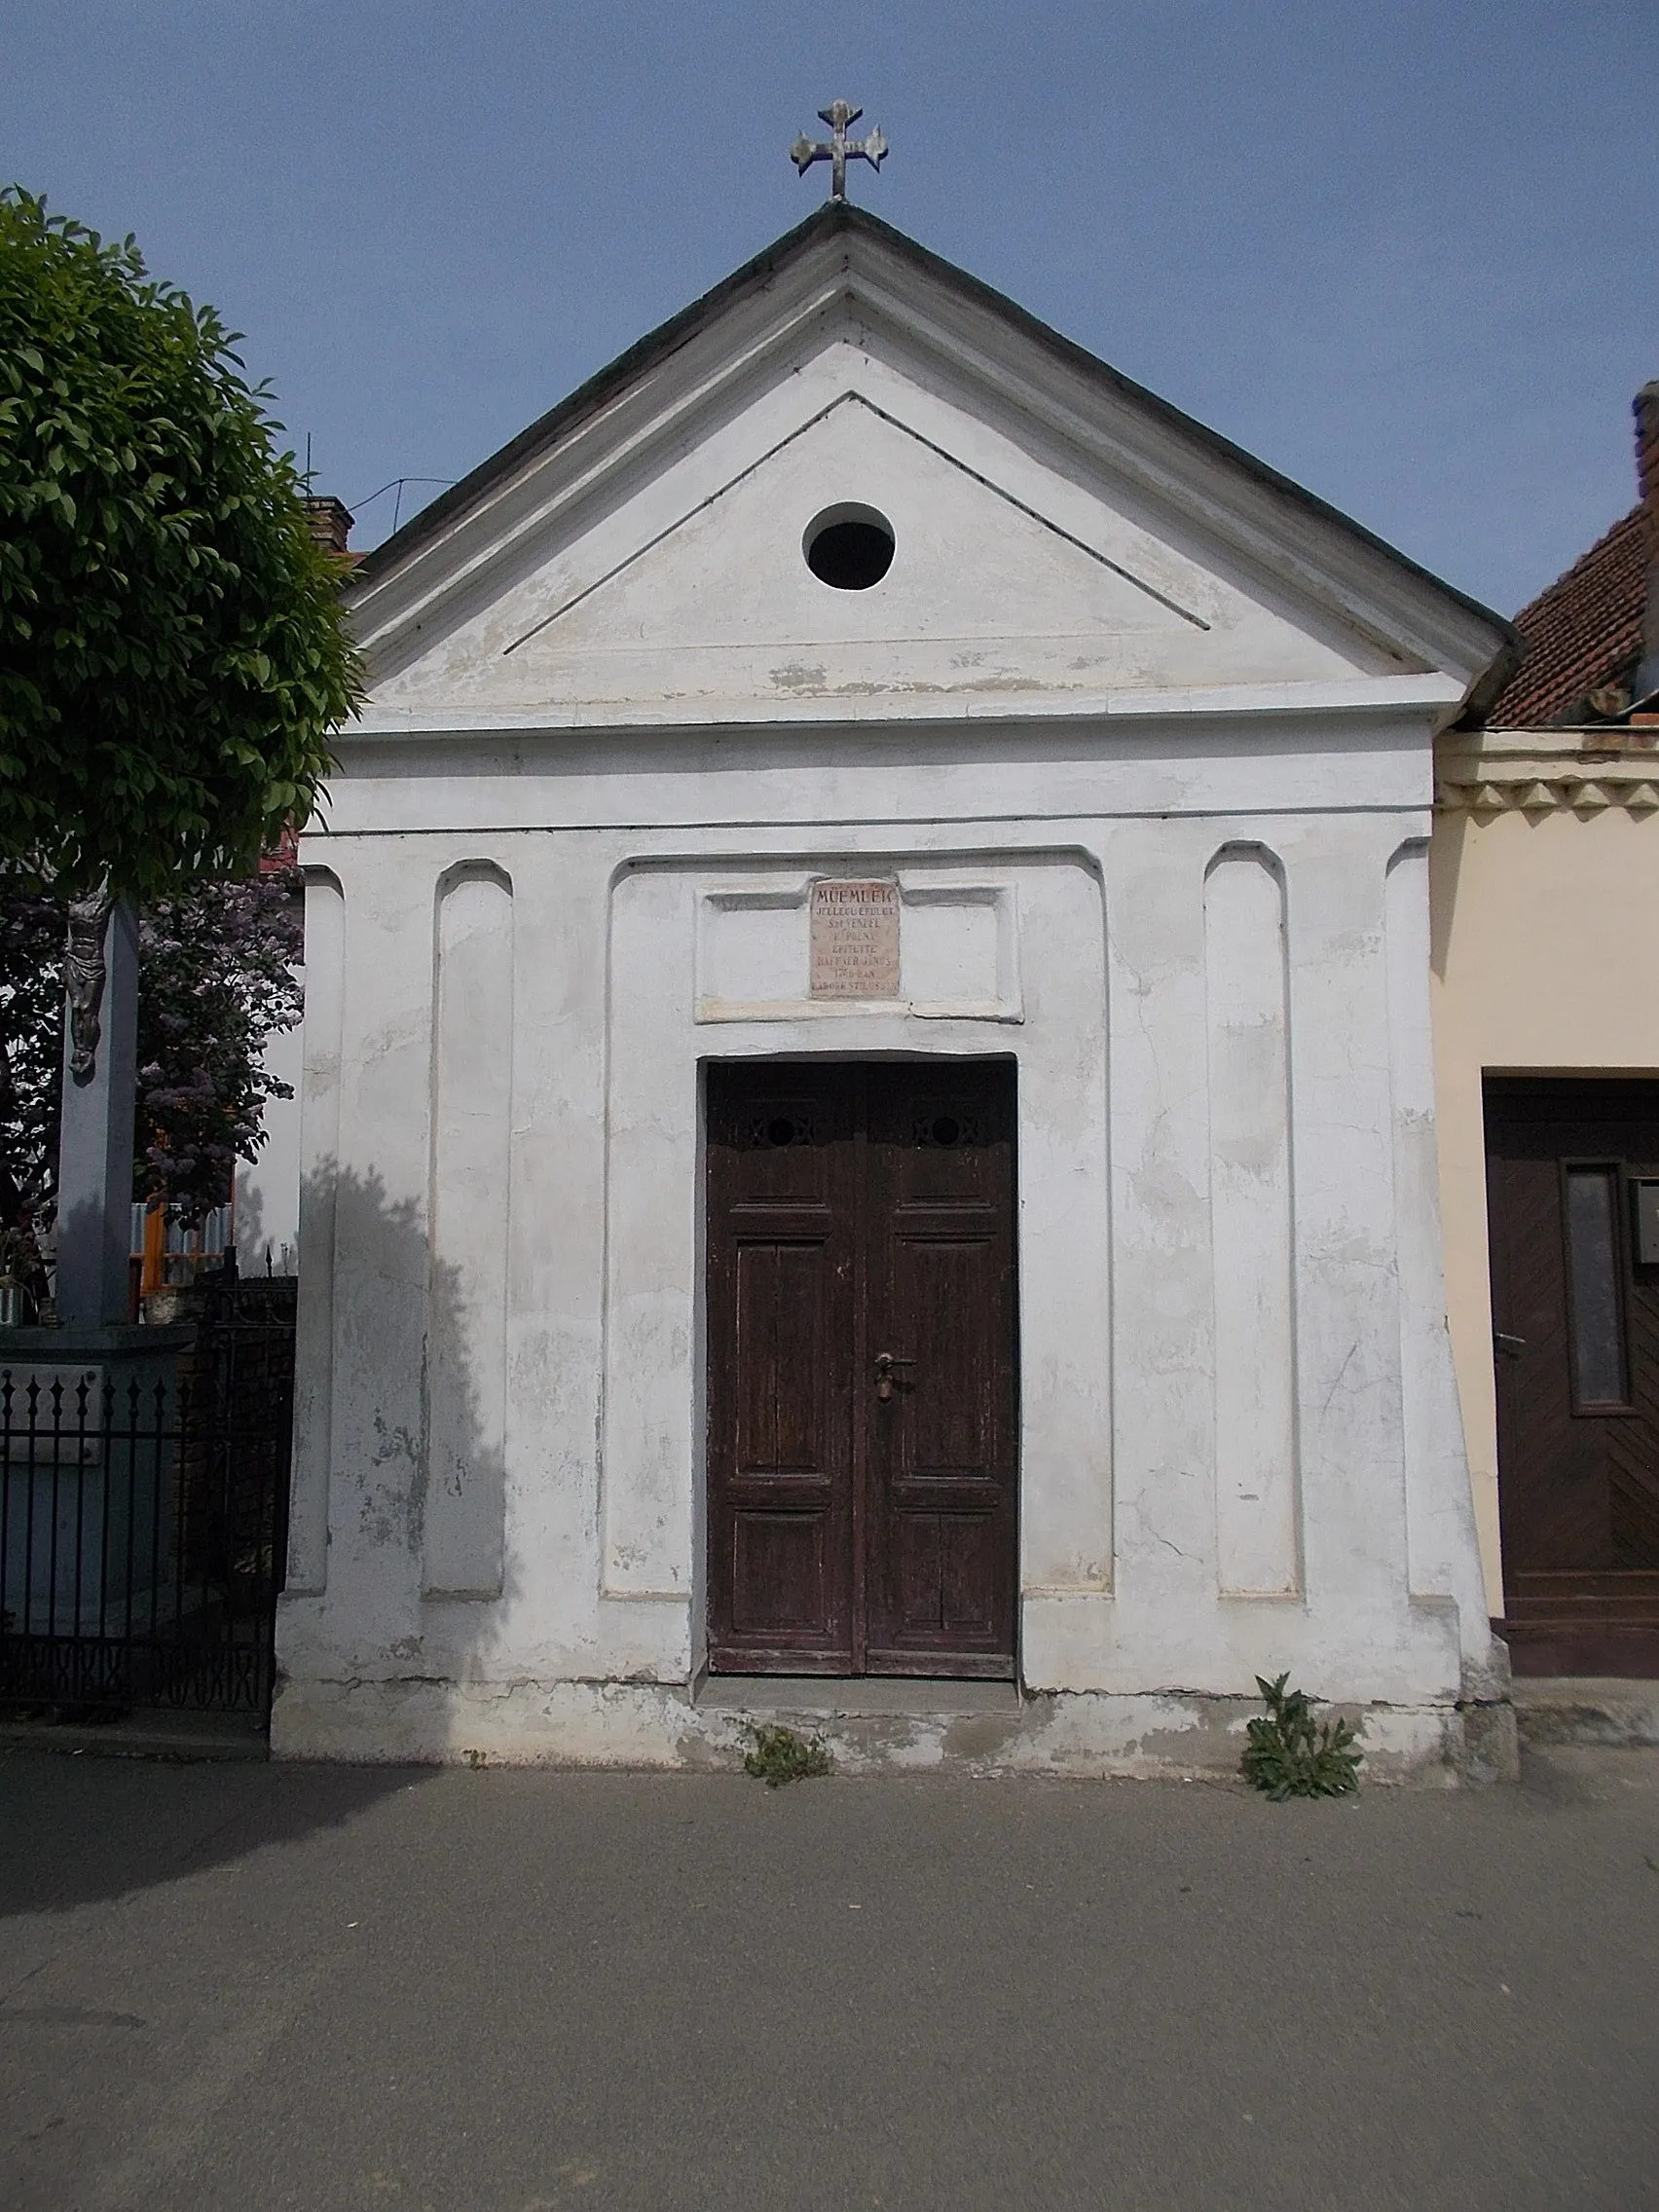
(869, 1727)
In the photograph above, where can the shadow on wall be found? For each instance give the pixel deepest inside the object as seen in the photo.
(250, 1218)
(399, 1488)
(1444, 865)
(261, 1250)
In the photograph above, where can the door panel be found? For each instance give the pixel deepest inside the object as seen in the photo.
(862, 1509)
(940, 1298)
(1577, 1321)
(780, 1321)
(778, 1575)
(946, 1413)
(783, 1301)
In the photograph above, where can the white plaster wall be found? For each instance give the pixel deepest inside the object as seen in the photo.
(1091, 850)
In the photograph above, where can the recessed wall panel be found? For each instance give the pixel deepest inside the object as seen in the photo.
(1250, 1226)
(319, 1170)
(466, 1327)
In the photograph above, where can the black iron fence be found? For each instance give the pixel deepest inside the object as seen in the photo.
(144, 1521)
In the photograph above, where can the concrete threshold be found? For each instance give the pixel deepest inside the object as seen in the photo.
(1586, 1709)
(143, 1735)
(860, 1697)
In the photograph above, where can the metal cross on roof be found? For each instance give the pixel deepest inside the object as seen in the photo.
(841, 149)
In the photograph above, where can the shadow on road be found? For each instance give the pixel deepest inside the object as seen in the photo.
(75, 1830)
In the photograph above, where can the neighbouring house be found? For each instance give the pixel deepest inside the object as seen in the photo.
(1545, 873)
(869, 1119)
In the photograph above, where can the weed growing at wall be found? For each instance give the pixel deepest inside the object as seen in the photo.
(780, 1755)
(1290, 1756)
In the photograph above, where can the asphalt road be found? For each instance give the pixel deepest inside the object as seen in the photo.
(238, 1988)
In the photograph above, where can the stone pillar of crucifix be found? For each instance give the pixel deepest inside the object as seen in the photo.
(840, 149)
(94, 1155)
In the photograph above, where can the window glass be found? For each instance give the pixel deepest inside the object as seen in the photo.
(1593, 1252)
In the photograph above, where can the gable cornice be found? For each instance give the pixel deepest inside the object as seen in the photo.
(843, 266)
(562, 477)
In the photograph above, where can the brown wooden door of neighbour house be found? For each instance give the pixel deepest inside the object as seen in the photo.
(1575, 1316)
(861, 1368)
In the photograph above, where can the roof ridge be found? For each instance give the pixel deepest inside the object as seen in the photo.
(1581, 632)
(1569, 574)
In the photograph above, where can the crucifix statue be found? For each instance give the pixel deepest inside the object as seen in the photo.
(841, 149)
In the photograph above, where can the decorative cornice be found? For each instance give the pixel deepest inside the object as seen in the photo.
(1486, 773)
(1412, 699)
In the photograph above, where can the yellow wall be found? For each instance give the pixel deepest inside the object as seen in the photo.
(1545, 930)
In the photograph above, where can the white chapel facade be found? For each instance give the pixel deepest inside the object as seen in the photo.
(867, 1107)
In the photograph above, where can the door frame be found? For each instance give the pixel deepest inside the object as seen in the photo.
(633, 1125)
(785, 1057)
(1608, 1625)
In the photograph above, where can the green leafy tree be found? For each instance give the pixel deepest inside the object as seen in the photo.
(173, 658)
(31, 1055)
(173, 654)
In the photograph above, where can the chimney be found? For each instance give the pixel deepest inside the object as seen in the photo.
(1647, 406)
(331, 521)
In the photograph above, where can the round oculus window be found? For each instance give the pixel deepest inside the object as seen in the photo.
(849, 547)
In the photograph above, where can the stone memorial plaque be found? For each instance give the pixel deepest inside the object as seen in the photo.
(855, 940)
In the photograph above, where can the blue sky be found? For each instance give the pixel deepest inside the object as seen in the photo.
(1405, 253)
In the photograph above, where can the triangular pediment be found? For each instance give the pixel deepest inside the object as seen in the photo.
(1057, 535)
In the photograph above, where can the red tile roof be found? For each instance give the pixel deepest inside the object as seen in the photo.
(283, 855)
(1582, 633)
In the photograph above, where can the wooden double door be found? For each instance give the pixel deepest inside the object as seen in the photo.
(1572, 1182)
(862, 1340)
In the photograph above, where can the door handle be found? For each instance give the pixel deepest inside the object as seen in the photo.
(885, 1363)
(1510, 1346)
